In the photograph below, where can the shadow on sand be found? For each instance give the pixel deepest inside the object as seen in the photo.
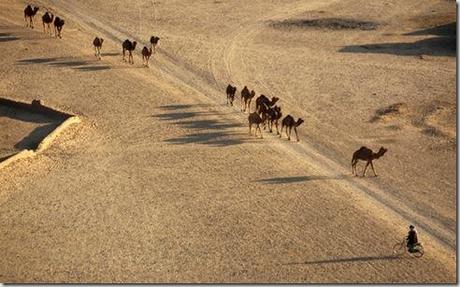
(79, 65)
(32, 140)
(443, 44)
(294, 179)
(6, 37)
(208, 128)
(349, 259)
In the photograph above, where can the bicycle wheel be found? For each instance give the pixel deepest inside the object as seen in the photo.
(399, 249)
(418, 252)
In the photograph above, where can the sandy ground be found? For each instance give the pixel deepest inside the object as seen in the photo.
(162, 183)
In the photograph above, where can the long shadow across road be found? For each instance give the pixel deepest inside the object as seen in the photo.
(349, 259)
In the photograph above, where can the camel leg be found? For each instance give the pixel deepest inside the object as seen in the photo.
(353, 167)
(276, 125)
(288, 133)
(260, 131)
(124, 59)
(250, 126)
(44, 30)
(296, 134)
(372, 165)
(365, 169)
(95, 51)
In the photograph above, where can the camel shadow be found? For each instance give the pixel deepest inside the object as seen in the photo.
(109, 54)
(65, 62)
(349, 259)
(6, 37)
(296, 179)
(208, 131)
(444, 44)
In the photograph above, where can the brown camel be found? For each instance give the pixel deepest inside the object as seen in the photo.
(230, 94)
(58, 24)
(290, 123)
(146, 53)
(246, 98)
(47, 19)
(263, 100)
(273, 116)
(244, 94)
(255, 119)
(29, 14)
(154, 42)
(98, 46)
(129, 46)
(367, 155)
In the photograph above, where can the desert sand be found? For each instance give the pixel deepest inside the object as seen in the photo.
(161, 182)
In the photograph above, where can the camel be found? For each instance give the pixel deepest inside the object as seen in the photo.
(47, 19)
(263, 100)
(58, 24)
(366, 154)
(246, 98)
(244, 94)
(146, 53)
(255, 119)
(231, 94)
(30, 12)
(129, 46)
(153, 42)
(273, 116)
(290, 123)
(98, 46)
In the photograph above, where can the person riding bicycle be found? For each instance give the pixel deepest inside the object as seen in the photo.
(411, 238)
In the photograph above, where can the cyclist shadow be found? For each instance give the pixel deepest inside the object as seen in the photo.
(351, 259)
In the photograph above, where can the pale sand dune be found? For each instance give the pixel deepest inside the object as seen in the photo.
(162, 183)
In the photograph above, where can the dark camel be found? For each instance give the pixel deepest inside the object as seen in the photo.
(47, 19)
(129, 46)
(367, 155)
(58, 24)
(290, 123)
(29, 14)
(230, 94)
(273, 116)
(255, 119)
(98, 46)
(154, 42)
(263, 100)
(146, 54)
(246, 98)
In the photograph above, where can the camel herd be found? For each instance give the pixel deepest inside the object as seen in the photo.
(127, 46)
(266, 113)
(47, 19)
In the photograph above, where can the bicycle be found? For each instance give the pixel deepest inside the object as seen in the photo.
(401, 248)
